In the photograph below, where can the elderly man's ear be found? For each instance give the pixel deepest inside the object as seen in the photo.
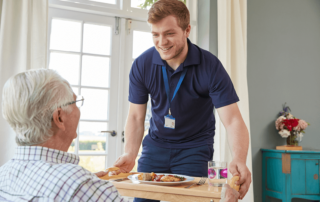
(59, 118)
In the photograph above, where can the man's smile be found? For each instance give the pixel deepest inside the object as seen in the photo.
(165, 49)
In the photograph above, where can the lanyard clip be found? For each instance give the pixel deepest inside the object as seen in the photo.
(169, 112)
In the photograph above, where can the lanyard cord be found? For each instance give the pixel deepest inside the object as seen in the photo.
(166, 84)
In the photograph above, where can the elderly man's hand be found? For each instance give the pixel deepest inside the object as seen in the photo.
(228, 194)
(101, 173)
(239, 168)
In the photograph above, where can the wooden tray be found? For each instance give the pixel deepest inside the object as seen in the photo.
(288, 147)
(177, 193)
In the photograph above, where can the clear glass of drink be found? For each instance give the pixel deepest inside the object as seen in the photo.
(217, 173)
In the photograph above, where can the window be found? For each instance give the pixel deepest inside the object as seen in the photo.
(141, 40)
(82, 50)
(138, 4)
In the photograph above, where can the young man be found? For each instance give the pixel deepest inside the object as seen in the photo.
(185, 83)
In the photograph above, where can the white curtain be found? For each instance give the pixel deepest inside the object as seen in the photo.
(232, 51)
(23, 46)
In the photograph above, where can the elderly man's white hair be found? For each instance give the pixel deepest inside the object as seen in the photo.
(29, 100)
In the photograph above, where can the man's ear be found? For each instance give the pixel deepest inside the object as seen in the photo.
(188, 30)
(58, 121)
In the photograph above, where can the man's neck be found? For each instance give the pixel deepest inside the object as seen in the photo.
(55, 143)
(175, 62)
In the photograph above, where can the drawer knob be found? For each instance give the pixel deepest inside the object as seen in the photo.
(315, 176)
(317, 163)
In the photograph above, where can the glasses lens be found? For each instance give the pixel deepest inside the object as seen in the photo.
(80, 100)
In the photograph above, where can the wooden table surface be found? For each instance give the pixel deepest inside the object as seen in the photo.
(176, 193)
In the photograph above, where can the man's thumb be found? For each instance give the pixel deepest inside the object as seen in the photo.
(119, 162)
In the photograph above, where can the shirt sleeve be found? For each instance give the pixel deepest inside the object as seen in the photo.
(138, 93)
(95, 189)
(221, 90)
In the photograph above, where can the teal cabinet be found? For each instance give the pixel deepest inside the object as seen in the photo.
(290, 174)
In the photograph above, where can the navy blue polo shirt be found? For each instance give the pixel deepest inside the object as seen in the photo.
(205, 86)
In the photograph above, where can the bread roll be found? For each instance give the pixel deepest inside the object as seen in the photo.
(113, 169)
(232, 183)
(147, 176)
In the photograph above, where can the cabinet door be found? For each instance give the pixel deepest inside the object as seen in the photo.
(275, 179)
(312, 176)
(298, 176)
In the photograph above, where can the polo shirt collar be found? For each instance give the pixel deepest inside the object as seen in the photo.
(193, 56)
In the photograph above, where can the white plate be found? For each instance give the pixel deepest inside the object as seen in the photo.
(134, 179)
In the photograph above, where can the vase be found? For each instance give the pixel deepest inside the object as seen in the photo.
(292, 140)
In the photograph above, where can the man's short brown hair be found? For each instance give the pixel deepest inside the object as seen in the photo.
(164, 8)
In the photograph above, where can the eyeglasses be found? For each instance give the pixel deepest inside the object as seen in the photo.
(79, 101)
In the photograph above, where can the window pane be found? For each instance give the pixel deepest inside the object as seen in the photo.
(148, 114)
(141, 42)
(96, 104)
(65, 35)
(135, 168)
(96, 39)
(93, 163)
(138, 4)
(95, 71)
(72, 147)
(90, 138)
(75, 90)
(67, 65)
(105, 1)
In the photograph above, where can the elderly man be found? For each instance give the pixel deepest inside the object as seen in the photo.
(43, 111)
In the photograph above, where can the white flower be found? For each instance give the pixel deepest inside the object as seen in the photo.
(300, 136)
(290, 116)
(284, 133)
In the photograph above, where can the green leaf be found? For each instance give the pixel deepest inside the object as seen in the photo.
(148, 3)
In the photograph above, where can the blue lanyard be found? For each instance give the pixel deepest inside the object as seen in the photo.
(166, 84)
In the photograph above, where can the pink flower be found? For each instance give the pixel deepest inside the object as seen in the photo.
(279, 124)
(302, 125)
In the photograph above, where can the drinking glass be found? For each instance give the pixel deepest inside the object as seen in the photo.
(217, 173)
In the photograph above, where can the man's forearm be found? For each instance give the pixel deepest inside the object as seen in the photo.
(133, 135)
(238, 137)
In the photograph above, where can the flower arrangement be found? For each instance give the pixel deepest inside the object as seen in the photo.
(290, 127)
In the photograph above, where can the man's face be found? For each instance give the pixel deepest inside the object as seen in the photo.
(168, 38)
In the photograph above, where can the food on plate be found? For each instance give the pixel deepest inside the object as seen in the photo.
(160, 178)
(232, 183)
(145, 177)
(169, 178)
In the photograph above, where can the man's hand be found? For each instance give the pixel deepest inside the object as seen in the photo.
(101, 173)
(238, 136)
(228, 194)
(125, 162)
(240, 169)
